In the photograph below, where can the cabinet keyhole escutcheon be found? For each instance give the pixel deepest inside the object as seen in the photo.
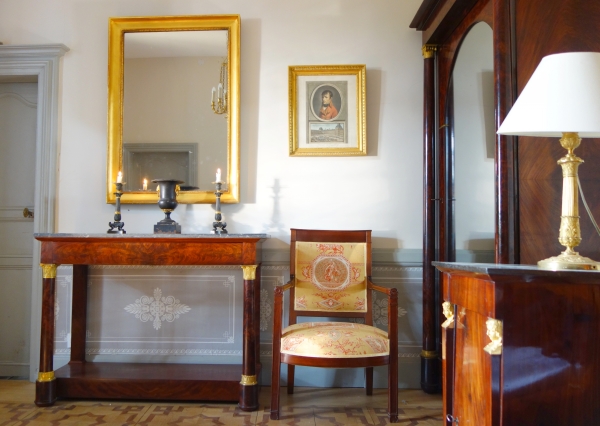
(450, 418)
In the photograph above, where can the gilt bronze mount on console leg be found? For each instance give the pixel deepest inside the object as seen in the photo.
(45, 385)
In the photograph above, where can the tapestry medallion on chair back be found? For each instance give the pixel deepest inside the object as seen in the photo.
(331, 277)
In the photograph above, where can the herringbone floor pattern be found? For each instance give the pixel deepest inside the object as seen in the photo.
(308, 406)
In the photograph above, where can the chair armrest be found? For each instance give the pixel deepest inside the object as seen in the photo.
(280, 289)
(278, 307)
(384, 290)
(392, 294)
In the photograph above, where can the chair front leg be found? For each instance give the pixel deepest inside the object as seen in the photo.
(275, 386)
(290, 379)
(369, 380)
(393, 365)
(276, 363)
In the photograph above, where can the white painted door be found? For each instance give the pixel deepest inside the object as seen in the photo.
(17, 186)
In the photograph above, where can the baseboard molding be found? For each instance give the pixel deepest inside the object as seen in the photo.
(14, 369)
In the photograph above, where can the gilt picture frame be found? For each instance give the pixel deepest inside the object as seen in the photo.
(327, 110)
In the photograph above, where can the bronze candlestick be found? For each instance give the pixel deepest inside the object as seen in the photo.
(218, 226)
(117, 223)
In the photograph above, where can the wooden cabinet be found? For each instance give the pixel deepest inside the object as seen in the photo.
(521, 345)
(188, 382)
(528, 180)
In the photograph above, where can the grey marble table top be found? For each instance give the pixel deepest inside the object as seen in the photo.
(173, 236)
(504, 269)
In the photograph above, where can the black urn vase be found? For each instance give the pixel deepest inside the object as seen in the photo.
(167, 201)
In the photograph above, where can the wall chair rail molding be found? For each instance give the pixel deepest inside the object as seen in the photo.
(41, 63)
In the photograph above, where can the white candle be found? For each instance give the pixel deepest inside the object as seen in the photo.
(145, 187)
(220, 91)
(212, 98)
(119, 177)
(218, 177)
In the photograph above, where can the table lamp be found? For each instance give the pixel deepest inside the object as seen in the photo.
(562, 99)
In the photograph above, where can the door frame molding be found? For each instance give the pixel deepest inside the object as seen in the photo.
(42, 61)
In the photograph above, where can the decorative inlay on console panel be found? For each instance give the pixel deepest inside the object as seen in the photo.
(158, 308)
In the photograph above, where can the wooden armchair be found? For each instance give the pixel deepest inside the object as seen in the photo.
(330, 276)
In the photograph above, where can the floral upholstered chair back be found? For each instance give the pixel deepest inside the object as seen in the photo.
(330, 277)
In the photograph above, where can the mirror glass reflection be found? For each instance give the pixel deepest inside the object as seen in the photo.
(169, 128)
(474, 146)
(161, 124)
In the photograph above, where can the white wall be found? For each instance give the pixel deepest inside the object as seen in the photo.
(382, 191)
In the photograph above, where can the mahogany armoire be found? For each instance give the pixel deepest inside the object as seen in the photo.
(528, 182)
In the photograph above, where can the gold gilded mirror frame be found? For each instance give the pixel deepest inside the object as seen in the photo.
(118, 27)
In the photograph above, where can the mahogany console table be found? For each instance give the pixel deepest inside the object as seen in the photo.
(197, 382)
(520, 345)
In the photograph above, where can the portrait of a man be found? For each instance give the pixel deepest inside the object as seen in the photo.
(328, 110)
(326, 102)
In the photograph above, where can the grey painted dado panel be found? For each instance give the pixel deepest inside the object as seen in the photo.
(194, 315)
(151, 314)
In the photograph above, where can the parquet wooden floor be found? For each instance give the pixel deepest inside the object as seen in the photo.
(308, 406)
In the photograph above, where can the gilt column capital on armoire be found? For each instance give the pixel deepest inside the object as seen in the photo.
(429, 50)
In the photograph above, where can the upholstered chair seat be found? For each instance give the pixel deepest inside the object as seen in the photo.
(334, 340)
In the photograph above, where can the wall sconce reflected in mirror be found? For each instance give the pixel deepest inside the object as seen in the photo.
(219, 105)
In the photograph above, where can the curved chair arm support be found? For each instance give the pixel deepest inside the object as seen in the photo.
(280, 289)
(384, 290)
(393, 321)
(278, 307)
(392, 294)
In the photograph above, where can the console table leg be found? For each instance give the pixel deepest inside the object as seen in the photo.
(79, 314)
(249, 383)
(45, 386)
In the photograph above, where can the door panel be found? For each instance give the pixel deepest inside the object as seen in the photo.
(18, 118)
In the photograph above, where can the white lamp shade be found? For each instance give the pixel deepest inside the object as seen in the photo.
(563, 95)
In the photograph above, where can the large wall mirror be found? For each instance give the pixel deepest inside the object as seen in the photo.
(161, 121)
(474, 146)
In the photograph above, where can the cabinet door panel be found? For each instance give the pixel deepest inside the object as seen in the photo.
(473, 371)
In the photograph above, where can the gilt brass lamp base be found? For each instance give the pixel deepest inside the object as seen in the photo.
(571, 260)
(569, 233)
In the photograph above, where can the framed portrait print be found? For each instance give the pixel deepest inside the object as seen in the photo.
(327, 110)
